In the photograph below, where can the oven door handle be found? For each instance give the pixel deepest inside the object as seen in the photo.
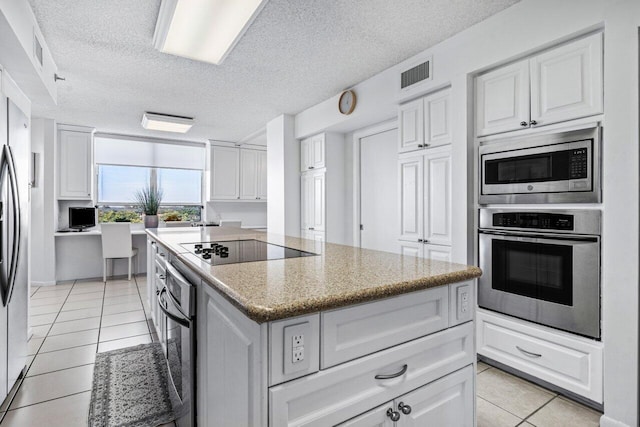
(162, 303)
(532, 237)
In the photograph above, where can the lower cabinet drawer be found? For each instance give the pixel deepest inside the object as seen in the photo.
(353, 332)
(342, 392)
(572, 363)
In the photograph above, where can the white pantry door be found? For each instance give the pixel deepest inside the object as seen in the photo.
(379, 191)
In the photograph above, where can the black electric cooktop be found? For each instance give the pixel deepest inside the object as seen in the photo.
(236, 251)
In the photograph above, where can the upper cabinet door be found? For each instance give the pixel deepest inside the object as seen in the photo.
(318, 152)
(411, 121)
(437, 118)
(76, 165)
(566, 82)
(374, 418)
(502, 99)
(438, 196)
(262, 175)
(248, 174)
(411, 198)
(305, 155)
(225, 173)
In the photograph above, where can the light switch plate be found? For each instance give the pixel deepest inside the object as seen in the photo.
(295, 334)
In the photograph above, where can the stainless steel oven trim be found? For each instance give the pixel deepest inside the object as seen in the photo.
(586, 221)
(519, 193)
(587, 290)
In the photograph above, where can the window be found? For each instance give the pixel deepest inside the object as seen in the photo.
(127, 165)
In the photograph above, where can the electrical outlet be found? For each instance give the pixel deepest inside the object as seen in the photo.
(294, 354)
(297, 340)
(463, 302)
(298, 355)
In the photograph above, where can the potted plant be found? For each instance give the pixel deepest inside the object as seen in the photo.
(148, 200)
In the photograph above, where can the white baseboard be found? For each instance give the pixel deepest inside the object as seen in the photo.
(49, 283)
(610, 422)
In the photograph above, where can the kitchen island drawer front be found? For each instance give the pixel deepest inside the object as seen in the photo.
(354, 332)
(342, 392)
(574, 364)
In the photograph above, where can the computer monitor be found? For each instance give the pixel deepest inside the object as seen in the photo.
(81, 218)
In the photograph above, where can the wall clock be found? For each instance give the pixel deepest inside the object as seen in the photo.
(347, 102)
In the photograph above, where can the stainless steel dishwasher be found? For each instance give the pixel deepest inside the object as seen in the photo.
(177, 300)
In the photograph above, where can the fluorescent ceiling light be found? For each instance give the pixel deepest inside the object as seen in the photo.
(204, 30)
(166, 123)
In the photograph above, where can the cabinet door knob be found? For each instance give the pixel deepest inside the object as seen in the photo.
(523, 124)
(425, 241)
(406, 409)
(533, 123)
(394, 415)
(420, 145)
(420, 240)
(311, 167)
(311, 228)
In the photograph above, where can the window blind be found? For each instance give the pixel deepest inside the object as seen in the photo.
(130, 151)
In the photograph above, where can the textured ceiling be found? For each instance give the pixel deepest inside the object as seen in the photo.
(296, 54)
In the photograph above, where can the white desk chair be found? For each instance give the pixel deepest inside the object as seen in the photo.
(230, 223)
(116, 243)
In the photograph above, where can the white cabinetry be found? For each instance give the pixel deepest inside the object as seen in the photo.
(75, 166)
(321, 187)
(425, 200)
(568, 361)
(313, 201)
(425, 122)
(241, 380)
(561, 84)
(237, 173)
(312, 153)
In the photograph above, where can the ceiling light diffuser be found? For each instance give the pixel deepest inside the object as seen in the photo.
(204, 30)
(166, 123)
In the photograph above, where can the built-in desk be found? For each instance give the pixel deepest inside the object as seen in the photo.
(79, 255)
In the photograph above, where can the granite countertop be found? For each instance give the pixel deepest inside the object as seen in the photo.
(339, 276)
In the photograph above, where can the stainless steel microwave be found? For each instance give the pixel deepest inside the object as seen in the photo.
(554, 168)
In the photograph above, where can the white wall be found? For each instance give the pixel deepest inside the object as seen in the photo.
(283, 184)
(518, 31)
(250, 213)
(43, 218)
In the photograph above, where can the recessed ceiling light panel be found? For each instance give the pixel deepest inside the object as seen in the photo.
(204, 30)
(166, 123)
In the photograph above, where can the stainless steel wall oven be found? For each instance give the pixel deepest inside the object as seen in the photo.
(553, 168)
(542, 266)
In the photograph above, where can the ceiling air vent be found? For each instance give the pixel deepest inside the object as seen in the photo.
(417, 74)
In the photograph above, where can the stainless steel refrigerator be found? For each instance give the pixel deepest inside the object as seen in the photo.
(14, 205)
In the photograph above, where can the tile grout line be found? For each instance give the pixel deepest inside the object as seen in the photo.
(537, 410)
(104, 289)
(62, 369)
(49, 400)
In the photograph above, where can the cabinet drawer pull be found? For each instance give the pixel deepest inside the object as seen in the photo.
(528, 353)
(406, 409)
(394, 415)
(391, 376)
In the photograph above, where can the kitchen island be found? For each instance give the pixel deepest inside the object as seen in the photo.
(346, 335)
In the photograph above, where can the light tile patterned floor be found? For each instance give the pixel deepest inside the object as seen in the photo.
(504, 400)
(70, 323)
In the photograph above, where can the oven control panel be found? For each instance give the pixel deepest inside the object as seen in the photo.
(538, 220)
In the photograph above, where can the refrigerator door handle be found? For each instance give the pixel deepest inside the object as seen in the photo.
(15, 220)
(4, 278)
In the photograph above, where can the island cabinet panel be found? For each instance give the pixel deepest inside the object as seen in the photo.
(448, 401)
(353, 332)
(374, 418)
(231, 365)
(338, 394)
